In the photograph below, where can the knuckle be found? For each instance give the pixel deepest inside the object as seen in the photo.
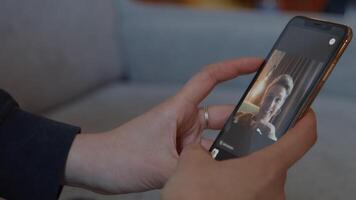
(272, 169)
(272, 174)
(312, 119)
(209, 73)
(314, 136)
(313, 128)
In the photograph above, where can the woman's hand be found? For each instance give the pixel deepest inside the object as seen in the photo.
(260, 175)
(143, 153)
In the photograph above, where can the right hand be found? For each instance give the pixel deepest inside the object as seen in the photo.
(261, 175)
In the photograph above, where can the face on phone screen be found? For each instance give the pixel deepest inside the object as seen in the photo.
(294, 66)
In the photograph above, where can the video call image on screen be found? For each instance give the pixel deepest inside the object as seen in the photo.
(271, 104)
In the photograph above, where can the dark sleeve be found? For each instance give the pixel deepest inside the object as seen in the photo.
(33, 152)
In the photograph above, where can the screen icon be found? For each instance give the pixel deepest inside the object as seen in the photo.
(214, 152)
(332, 41)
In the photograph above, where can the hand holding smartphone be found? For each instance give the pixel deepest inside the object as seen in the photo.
(284, 87)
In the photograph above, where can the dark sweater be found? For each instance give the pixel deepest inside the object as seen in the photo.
(33, 152)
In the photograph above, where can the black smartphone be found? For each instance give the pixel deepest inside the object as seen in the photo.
(284, 87)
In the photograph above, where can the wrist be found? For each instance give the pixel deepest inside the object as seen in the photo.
(87, 163)
(119, 161)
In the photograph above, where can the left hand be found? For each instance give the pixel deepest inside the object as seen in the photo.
(259, 175)
(141, 154)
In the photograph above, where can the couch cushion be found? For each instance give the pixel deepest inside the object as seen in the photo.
(177, 42)
(170, 43)
(52, 51)
(328, 172)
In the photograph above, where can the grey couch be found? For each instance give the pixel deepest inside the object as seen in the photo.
(97, 64)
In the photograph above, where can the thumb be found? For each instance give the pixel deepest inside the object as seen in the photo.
(293, 145)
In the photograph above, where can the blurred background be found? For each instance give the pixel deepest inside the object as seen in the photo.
(328, 6)
(98, 64)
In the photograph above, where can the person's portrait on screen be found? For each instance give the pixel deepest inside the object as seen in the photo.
(273, 99)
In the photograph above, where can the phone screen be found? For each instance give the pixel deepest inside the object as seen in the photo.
(272, 102)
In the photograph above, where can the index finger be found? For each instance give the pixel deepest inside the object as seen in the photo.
(198, 87)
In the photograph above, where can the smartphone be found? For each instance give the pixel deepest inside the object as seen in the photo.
(284, 86)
